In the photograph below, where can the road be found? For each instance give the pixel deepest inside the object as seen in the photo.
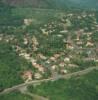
(79, 73)
(25, 91)
(35, 97)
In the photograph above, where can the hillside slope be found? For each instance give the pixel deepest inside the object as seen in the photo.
(61, 4)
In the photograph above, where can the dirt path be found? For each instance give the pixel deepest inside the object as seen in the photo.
(24, 90)
(79, 73)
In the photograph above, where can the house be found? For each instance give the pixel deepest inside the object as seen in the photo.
(62, 64)
(89, 43)
(37, 76)
(78, 36)
(41, 56)
(7, 40)
(64, 31)
(27, 75)
(69, 46)
(33, 60)
(73, 66)
(53, 59)
(27, 21)
(53, 67)
(35, 41)
(96, 60)
(89, 38)
(66, 59)
(90, 59)
(79, 17)
(70, 15)
(79, 42)
(44, 31)
(84, 14)
(1, 38)
(56, 56)
(59, 35)
(89, 33)
(38, 66)
(17, 48)
(25, 41)
(68, 22)
(41, 69)
(27, 56)
(48, 61)
(34, 63)
(91, 15)
(64, 71)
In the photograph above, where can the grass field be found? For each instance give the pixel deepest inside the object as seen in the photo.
(15, 96)
(80, 88)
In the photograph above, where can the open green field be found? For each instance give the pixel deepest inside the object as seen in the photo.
(80, 88)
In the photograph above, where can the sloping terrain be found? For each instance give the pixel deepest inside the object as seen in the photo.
(82, 88)
(61, 4)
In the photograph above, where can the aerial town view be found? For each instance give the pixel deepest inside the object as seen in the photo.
(48, 50)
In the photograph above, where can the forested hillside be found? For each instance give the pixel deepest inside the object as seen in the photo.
(57, 4)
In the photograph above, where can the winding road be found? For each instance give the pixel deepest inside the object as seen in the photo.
(79, 73)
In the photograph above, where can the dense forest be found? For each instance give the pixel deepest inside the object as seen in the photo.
(10, 66)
